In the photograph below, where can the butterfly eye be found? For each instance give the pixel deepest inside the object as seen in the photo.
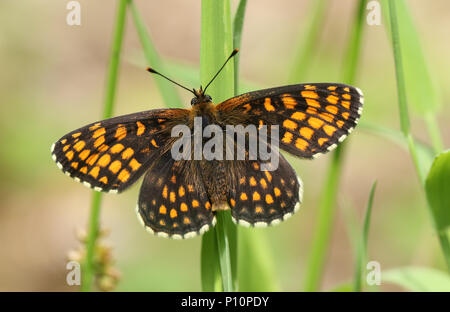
(208, 98)
(194, 101)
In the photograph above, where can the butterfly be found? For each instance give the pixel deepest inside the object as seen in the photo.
(179, 198)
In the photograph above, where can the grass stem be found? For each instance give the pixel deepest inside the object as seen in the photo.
(113, 68)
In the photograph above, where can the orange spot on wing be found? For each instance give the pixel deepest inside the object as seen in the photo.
(258, 209)
(332, 109)
(277, 191)
(115, 166)
(269, 199)
(263, 183)
(310, 94)
(306, 132)
(104, 160)
(195, 203)
(329, 130)
(99, 141)
(301, 144)
(69, 155)
(347, 89)
(289, 124)
(164, 192)
(76, 135)
(244, 196)
(326, 116)
(154, 143)
(92, 159)
(298, 116)
(315, 122)
(124, 175)
(287, 138)
(141, 128)
(232, 202)
(121, 133)
(346, 115)
(99, 133)
(173, 213)
(268, 176)
(288, 101)
(312, 103)
(268, 106)
(340, 123)
(310, 87)
(104, 180)
(162, 209)
(172, 197)
(79, 146)
(74, 165)
(94, 172)
(256, 196)
(95, 126)
(134, 164)
(181, 191)
(117, 148)
(183, 207)
(346, 104)
(322, 141)
(208, 205)
(332, 99)
(126, 154)
(346, 96)
(253, 181)
(332, 88)
(83, 170)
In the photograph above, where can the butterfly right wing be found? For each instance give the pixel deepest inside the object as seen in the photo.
(110, 155)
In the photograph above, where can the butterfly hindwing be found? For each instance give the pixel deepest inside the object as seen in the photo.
(112, 154)
(312, 118)
(259, 197)
(172, 202)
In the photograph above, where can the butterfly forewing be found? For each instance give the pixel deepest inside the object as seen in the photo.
(112, 154)
(312, 118)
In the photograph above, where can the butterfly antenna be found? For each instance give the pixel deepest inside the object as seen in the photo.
(235, 51)
(151, 70)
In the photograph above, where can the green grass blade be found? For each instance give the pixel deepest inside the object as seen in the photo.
(306, 49)
(437, 187)
(418, 279)
(321, 236)
(238, 24)
(404, 120)
(322, 231)
(113, 69)
(256, 265)
(216, 46)
(362, 248)
(167, 89)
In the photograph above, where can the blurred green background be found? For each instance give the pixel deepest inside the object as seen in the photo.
(52, 81)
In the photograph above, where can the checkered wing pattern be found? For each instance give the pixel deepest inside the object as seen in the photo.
(112, 154)
(173, 201)
(261, 197)
(313, 118)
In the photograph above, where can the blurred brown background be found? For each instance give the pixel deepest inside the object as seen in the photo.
(52, 81)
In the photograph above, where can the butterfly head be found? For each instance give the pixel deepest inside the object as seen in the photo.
(200, 97)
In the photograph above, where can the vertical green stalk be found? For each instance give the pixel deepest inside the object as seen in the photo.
(321, 236)
(361, 256)
(108, 105)
(216, 46)
(306, 49)
(404, 119)
(238, 24)
(166, 88)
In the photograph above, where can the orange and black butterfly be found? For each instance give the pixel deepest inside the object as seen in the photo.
(179, 198)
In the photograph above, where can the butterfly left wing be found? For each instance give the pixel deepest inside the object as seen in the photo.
(110, 155)
(312, 118)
